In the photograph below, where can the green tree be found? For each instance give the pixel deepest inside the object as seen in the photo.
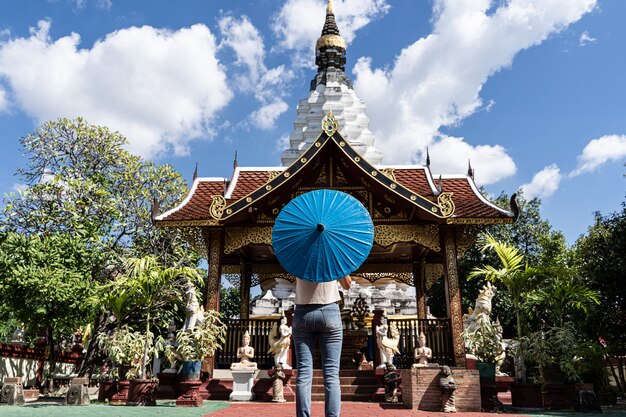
(45, 282)
(80, 177)
(601, 257)
(229, 302)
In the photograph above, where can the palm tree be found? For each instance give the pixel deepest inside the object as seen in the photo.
(515, 275)
(152, 286)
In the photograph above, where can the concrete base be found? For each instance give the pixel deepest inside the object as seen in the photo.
(243, 381)
(77, 394)
(12, 394)
(420, 389)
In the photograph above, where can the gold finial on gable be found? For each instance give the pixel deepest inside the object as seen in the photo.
(329, 124)
(329, 7)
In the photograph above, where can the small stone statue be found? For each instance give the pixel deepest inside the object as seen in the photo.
(18, 335)
(171, 341)
(501, 352)
(422, 353)
(195, 313)
(279, 346)
(447, 385)
(388, 346)
(278, 384)
(392, 379)
(245, 353)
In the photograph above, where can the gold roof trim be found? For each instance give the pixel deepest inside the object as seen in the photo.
(330, 40)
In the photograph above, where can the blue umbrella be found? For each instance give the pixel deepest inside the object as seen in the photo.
(322, 235)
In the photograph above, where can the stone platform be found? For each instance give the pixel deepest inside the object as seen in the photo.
(420, 389)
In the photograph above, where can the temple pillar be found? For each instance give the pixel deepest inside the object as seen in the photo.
(215, 244)
(419, 279)
(245, 279)
(453, 293)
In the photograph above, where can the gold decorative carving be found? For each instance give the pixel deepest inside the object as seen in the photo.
(425, 235)
(273, 174)
(446, 204)
(432, 273)
(504, 220)
(340, 178)
(194, 236)
(389, 173)
(217, 206)
(404, 277)
(465, 238)
(232, 274)
(238, 237)
(329, 124)
(321, 179)
(454, 299)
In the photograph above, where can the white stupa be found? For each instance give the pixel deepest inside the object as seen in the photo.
(331, 89)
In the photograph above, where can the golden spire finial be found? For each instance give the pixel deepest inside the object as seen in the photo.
(329, 7)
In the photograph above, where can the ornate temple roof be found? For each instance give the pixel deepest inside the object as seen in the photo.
(451, 199)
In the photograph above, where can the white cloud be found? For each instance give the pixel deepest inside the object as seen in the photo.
(585, 39)
(298, 23)
(160, 88)
(490, 163)
(20, 188)
(544, 183)
(105, 4)
(437, 80)
(4, 102)
(599, 151)
(265, 117)
(267, 85)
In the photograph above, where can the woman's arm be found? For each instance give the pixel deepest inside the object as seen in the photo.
(346, 282)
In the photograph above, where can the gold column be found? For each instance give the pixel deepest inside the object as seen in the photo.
(244, 290)
(453, 294)
(215, 242)
(216, 248)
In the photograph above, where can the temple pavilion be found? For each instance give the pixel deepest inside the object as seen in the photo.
(423, 223)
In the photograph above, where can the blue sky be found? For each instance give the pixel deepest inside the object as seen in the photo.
(532, 91)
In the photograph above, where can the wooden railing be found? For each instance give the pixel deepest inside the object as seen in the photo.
(259, 330)
(438, 339)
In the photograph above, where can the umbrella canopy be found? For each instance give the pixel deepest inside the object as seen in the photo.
(322, 235)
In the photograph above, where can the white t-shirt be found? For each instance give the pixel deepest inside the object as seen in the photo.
(308, 292)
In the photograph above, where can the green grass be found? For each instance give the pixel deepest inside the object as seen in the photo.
(163, 408)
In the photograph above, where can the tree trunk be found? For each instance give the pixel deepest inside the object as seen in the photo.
(521, 368)
(92, 348)
(51, 359)
(620, 387)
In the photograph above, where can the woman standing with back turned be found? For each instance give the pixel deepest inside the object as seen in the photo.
(317, 317)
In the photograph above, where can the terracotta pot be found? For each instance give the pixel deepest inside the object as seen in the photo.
(142, 392)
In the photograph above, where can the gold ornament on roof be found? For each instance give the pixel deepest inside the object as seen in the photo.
(329, 124)
(217, 206)
(446, 204)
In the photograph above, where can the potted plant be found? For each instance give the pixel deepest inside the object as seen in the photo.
(151, 287)
(191, 347)
(123, 348)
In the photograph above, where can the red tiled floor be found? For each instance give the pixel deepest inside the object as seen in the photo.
(347, 410)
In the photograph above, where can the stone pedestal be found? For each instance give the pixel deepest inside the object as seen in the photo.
(243, 381)
(77, 394)
(190, 394)
(12, 391)
(288, 393)
(121, 396)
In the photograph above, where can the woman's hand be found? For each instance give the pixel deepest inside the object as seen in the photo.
(346, 282)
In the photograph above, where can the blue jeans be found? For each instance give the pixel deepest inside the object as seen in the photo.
(321, 322)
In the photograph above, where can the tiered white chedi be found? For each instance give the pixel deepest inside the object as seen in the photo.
(349, 111)
(331, 89)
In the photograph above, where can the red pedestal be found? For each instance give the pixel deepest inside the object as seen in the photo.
(190, 394)
(121, 396)
(106, 390)
(166, 390)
